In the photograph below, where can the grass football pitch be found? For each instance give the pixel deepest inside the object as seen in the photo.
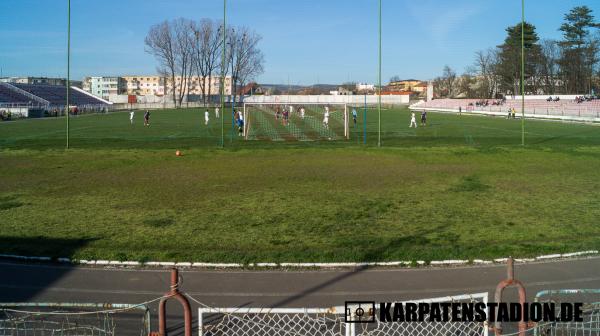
(460, 188)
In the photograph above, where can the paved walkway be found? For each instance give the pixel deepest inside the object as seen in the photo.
(48, 283)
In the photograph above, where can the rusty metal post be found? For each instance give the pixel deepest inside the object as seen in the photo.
(511, 281)
(162, 307)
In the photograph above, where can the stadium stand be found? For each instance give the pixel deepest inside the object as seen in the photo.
(563, 107)
(37, 100)
(57, 95)
(8, 96)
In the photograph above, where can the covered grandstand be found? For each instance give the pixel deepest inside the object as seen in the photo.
(37, 100)
(565, 108)
(10, 97)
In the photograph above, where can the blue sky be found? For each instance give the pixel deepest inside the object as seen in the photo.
(305, 41)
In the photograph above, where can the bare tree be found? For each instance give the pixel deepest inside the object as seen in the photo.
(485, 68)
(184, 39)
(207, 53)
(198, 55)
(591, 57)
(468, 86)
(183, 47)
(161, 44)
(445, 86)
(170, 43)
(395, 78)
(549, 65)
(245, 57)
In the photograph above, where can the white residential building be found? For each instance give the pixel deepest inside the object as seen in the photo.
(103, 87)
(194, 86)
(145, 85)
(365, 87)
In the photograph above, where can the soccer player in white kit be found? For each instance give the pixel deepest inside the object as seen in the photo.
(206, 117)
(302, 112)
(326, 117)
(131, 115)
(217, 113)
(413, 120)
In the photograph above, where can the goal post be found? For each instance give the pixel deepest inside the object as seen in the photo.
(298, 121)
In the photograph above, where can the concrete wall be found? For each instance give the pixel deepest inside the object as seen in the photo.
(576, 116)
(123, 99)
(544, 97)
(168, 99)
(325, 99)
(159, 105)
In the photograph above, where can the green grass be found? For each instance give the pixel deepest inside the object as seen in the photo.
(462, 187)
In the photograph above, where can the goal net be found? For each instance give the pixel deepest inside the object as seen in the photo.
(327, 322)
(73, 319)
(295, 122)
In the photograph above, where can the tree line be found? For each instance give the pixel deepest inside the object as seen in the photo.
(566, 66)
(186, 48)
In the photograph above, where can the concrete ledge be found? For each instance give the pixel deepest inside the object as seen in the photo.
(297, 265)
(482, 262)
(449, 262)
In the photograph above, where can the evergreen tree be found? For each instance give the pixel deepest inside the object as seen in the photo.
(509, 67)
(579, 49)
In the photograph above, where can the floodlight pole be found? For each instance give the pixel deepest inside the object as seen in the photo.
(223, 75)
(523, 72)
(231, 45)
(365, 121)
(68, 63)
(379, 88)
(232, 114)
